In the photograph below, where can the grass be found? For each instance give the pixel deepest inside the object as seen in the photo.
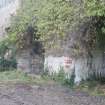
(16, 76)
(11, 77)
(94, 88)
(60, 78)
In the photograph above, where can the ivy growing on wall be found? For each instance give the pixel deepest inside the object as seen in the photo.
(57, 17)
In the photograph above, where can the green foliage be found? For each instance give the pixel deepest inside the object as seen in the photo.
(3, 48)
(51, 17)
(6, 65)
(70, 81)
(95, 7)
(10, 62)
(54, 18)
(59, 76)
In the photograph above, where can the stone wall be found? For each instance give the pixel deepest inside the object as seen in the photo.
(86, 62)
(30, 52)
(87, 67)
(33, 64)
(53, 64)
(83, 67)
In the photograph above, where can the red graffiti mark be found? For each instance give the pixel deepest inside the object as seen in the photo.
(67, 62)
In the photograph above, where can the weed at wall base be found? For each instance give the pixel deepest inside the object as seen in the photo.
(60, 77)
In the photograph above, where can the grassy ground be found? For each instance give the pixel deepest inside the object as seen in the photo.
(10, 77)
(92, 87)
(18, 88)
(18, 76)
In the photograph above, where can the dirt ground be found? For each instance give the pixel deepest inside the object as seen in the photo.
(49, 94)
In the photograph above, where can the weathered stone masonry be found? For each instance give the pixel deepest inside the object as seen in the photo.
(30, 58)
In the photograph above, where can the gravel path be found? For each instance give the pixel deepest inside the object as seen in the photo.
(24, 94)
